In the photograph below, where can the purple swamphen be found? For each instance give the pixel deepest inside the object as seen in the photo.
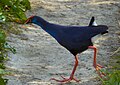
(75, 39)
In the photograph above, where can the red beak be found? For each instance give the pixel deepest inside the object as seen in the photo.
(29, 20)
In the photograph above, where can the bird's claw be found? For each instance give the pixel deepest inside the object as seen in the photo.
(71, 78)
(65, 80)
(98, 67)
(99, 71)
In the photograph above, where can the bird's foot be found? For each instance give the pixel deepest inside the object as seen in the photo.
(98, 67)
(99, 71)
(65, 80)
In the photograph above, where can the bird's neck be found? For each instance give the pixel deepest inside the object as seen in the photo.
(42, 23)
(46, 26)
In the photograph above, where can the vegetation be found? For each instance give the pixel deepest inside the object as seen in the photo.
(113, 73)
(4, 48)
(13, 10)
(112, 77)
(10, 11)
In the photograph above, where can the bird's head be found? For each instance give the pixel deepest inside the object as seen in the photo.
(37, 20)
(30, 19)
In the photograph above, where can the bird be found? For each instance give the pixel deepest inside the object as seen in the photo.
(75, 39)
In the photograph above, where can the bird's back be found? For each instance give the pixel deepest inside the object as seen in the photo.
(77, 33)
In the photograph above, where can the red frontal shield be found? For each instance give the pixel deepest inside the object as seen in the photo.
(29, 19)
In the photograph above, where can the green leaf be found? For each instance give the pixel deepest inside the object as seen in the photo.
(2, 65)
(12, 49)
(2, 82)
(2, 37)
(14, 8)
(26, 4)
(3, 72)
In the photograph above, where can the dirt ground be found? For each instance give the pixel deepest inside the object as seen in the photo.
(39, 57)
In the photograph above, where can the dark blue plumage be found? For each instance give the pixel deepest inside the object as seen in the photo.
(76, 39)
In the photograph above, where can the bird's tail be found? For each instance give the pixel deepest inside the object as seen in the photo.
(100, 29)
(104, 29)
(92, 22)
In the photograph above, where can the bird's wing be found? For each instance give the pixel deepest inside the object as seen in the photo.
(80, 34)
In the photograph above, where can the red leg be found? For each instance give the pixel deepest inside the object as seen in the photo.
(72, 74)
(96, 66)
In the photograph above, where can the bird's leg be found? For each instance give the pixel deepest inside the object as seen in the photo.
(72, 74)
(96, 66)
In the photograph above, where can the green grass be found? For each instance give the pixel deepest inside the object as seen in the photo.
(113, 73)
(115, 62)
(112, 77)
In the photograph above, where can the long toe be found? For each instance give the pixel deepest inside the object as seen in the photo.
(62, 81)
(65, 80)
(71, 78)
(76, 80)
(100, 72)
(100, 66)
